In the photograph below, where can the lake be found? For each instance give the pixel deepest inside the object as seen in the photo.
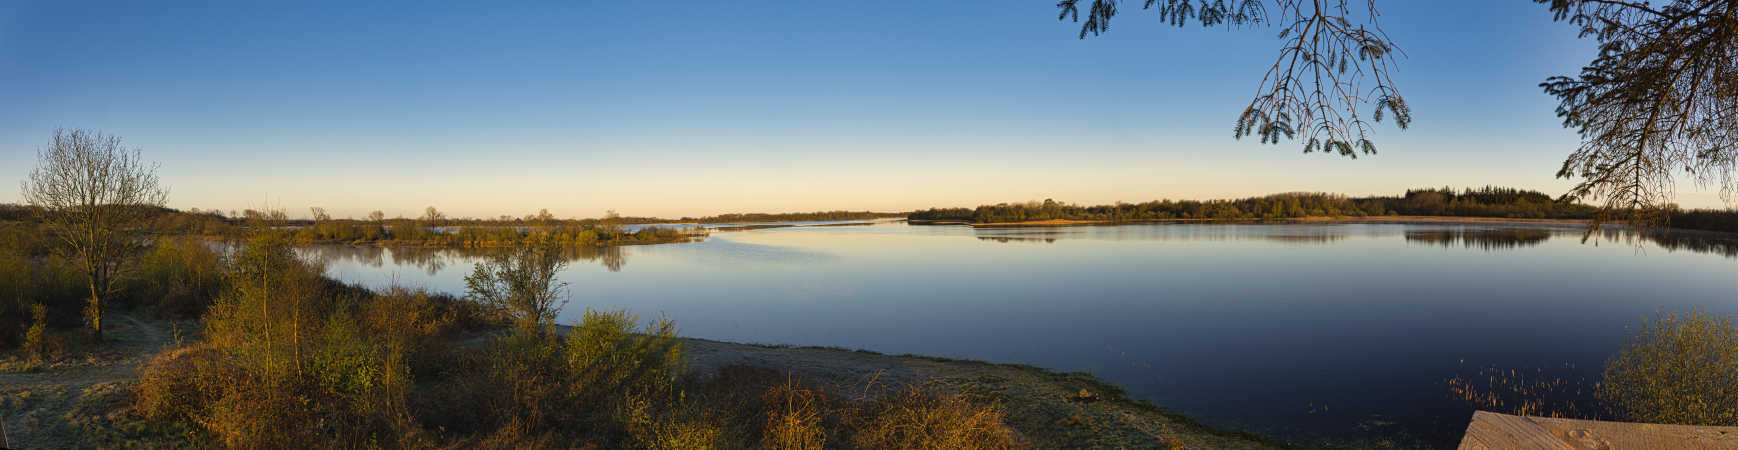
(1305, 332)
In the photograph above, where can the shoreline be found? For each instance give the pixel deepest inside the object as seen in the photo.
(1424, 220)
(1042, 405)
(1346, 220)
(82, 400)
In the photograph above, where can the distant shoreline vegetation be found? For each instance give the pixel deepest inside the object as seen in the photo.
(1486, 202)
(434, 229)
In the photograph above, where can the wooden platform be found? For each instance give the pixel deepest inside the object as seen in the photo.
(1502, 431)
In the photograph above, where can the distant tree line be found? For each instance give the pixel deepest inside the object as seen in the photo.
(1489, 201)
(795, 217)
(424, 233)
(435, 228)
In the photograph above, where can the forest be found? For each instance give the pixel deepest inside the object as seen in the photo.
(1489, 201)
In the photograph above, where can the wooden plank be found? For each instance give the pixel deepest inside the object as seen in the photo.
(1492, 431)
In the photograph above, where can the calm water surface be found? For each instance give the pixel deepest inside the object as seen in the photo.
(1305, 332)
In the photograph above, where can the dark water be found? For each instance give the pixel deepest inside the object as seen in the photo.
(1304, 332)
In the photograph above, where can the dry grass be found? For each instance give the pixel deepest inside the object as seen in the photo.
(928, 418)
(1526, 393)
(793, 417)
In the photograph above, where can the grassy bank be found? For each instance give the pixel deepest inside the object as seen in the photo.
(257, 349)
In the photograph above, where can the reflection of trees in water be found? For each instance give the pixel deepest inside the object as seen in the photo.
(324, 255)
(1310, 238)
(612, 258)
(1034, 236)
(1007, 239)
(1185, 233)
(433, 260)
(1485, 239)
(1694, 241)
(430, 260)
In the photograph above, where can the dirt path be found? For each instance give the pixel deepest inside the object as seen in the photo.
(43, 406)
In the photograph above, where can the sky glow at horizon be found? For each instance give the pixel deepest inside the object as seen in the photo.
(697, 108)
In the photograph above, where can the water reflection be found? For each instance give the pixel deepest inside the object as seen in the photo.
(433, 260)
(1472, 237)
(1251, 327)
(1290, 234)
(1692, 241)
(1480, 238)
(1318, 237)
(1007, 239)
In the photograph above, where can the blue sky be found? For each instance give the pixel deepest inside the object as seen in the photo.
(691, 108)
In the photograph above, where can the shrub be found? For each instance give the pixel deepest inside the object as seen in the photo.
(926, 418)
(407, 325)
(1677, 368)
(27, 279)
(793, 417)
(177, 278)
(287, 361)
(520, 284)
(179, 384)
(605, 355)
(15, 289)
(40, 343)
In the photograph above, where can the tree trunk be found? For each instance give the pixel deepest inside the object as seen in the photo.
(95, 311)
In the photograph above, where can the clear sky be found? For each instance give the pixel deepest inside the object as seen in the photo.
(677, 108)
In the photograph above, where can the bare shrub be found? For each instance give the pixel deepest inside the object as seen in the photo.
(794, 417)
(929, 418)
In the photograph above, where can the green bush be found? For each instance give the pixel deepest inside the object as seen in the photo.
(30, 277)
(40, 344)
(177, 277)
(286, 360)
(519, 284)
(605, 354)
(1677, 368)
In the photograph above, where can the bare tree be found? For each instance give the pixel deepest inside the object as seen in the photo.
(432, 215)
(319, 214)
(97, 197)
(376, 216)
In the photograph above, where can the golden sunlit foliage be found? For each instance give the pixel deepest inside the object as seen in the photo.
(1677, 368)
